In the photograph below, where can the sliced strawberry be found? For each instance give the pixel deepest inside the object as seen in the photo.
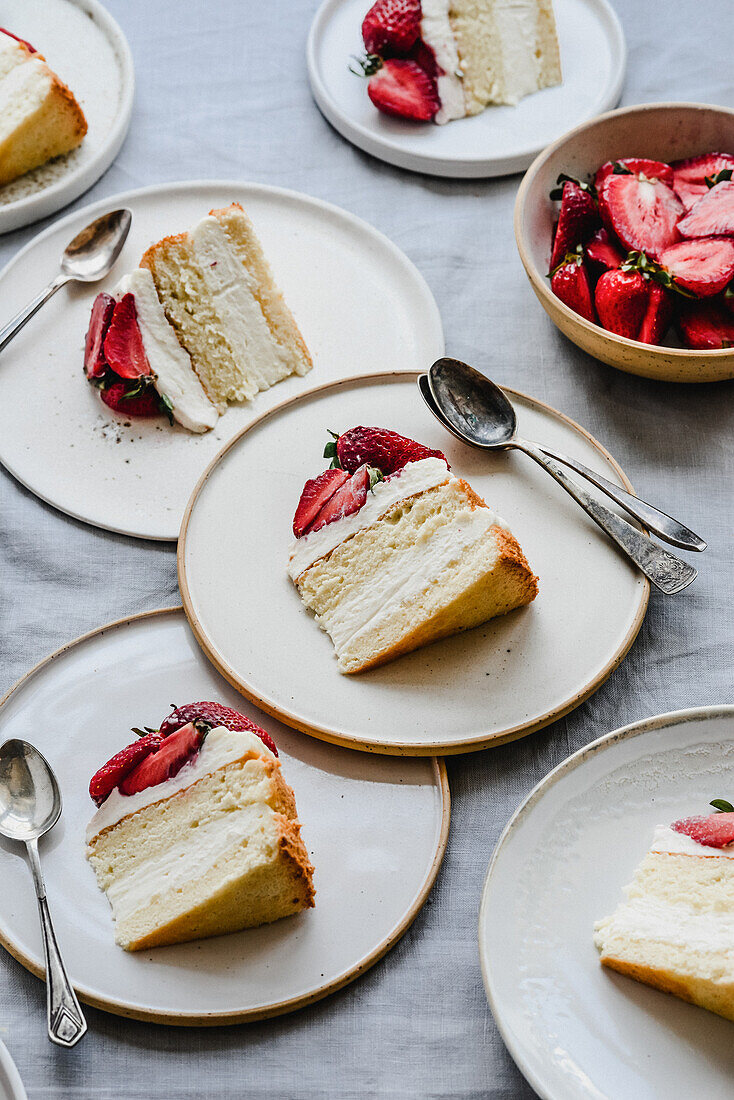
(705, 326)
(315, 494)
(111, 774)
(95, 363)
(214, 714)
(713, 214)
(621, 301)
(123, 344)
(689, 176)
(345, 501)
(570, 283)
(404, 89)
(173, 752)
(715, 831)
(378, 447)
(145, 402)
(658, 315)
(22, 41)
(704, 267)
(604, 250)
(424, 56)
(392, 25)
(577, 218)
(637, 166)
(643, 214)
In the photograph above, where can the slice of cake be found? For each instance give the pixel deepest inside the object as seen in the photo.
(675, 930)
(197, 832)
(393, 551)
(39, 116)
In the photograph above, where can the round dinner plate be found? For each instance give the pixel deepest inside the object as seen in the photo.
(11, 1086)
(78, 706)
(87, 50)
(497, 142)
(501, 680)
(135, 476)
(576, 1030)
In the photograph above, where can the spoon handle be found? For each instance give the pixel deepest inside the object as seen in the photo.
(66, 1023)
(13, 327)
(666, 572)
(660, 523)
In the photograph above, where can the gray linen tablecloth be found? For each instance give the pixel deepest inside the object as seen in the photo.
(222, 92)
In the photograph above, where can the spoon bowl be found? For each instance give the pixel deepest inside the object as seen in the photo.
(91, 254)
(472, 407)
(30, 800)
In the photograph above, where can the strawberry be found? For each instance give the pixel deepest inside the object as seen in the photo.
(703, 266)
(403, 88)
(713, 214)
(315, 494)
(570, 283)
(621, 301)
(715, 831)
(111, 774)
(603, 250)
(424, 56)
(689, 176)
(392, 25)
(143, 402)
(658, 315)
(214, 714)
(577, 218)
(378, 447)
(637, 166)
(95, 363)
(123, 344)
(167, 760)
(643, 214)
(346, 500)
(706, 325)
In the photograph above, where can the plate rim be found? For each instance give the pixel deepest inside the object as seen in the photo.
(390, 150)
(407, 267)
(448, 748)
(12, 1075)
(130, 1010)
(47, 201)
(571, 763)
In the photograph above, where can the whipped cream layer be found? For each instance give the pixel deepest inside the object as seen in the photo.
(651, 920)
(437, 33)
(415, 477)
(11, 54)
(174, 376)
(669, 841)
(221, 747)
(22, 92)
(516, 25)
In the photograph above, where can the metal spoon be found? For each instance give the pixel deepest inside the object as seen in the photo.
(30, 805)
(86, 259)
(478, 413)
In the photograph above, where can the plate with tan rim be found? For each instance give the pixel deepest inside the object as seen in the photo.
(499, 681)
(78, 708)
(576, 1030)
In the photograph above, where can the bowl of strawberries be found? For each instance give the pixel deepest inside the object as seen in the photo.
(625, 227)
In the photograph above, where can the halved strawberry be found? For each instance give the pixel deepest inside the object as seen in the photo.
(123, 344)
(658, 315)
(145, 402)
(345, 501)
(315, 494)
(403, 88)
(167, 760)
(111, 774)
(689, 176)
(706, 326)
(703, 267)
(577, 218)
(378, 447)
(713, 214)
(638, 166)
(95, 363)
(604, 250)
(715, 831)
(392, 25)
(643, 214)
(621, 301)
(570, 283)
(214, 714)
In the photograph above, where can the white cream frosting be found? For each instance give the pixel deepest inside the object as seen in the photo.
(221, 747)
(415, 477)
(11, 55)
(647, 919)
(674, 843)
(22, 92)
(516, 25)
(437, 33)
(174, 376)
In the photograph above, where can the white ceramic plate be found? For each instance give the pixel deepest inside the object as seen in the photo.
(576, 1030)
(508, 677)
(77, 708)
(87, 50)
(11, 1086)
(338, 275)
(498, 142)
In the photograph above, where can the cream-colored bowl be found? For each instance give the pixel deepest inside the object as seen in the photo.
(661, 131)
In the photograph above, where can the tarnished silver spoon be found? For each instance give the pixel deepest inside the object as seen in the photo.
(30, 805)
(86, 259)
